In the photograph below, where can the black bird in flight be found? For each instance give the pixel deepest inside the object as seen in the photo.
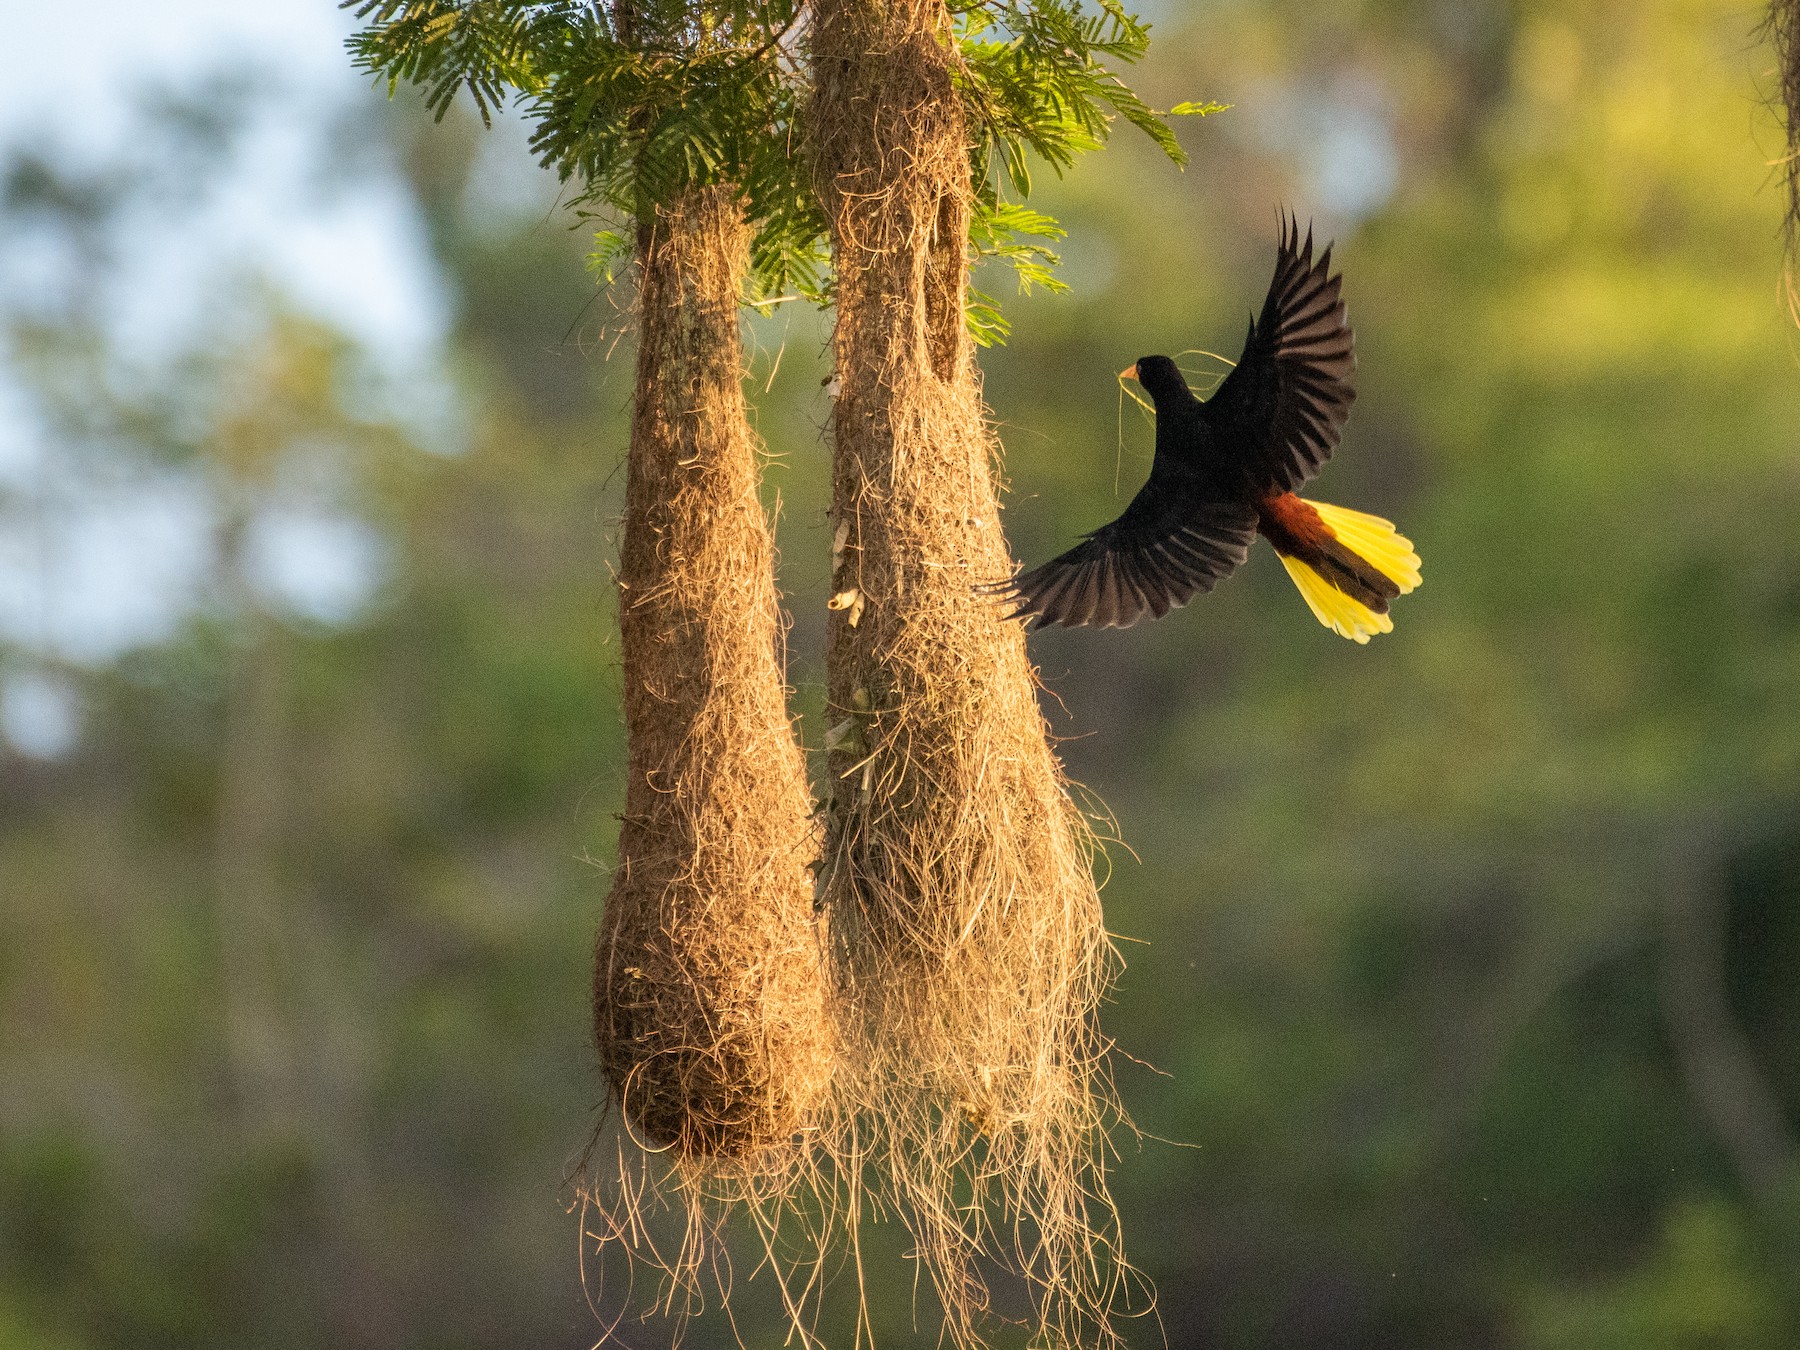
(1227, 469)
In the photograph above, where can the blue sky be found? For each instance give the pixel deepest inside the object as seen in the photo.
(89, 570)
(350, 260)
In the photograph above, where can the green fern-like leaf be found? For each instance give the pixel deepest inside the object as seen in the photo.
(635, 104)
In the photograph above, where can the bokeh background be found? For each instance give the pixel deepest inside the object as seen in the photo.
(1464, 969)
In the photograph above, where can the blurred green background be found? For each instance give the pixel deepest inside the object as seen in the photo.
(1468, 962)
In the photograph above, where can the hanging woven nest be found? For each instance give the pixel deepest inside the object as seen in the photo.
(709, 1011)
(968, 942)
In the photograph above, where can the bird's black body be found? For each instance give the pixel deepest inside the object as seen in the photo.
(1224, 469)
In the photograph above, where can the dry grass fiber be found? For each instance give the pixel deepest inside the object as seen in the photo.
(1784, 31)
(709, 1009)
(967, 937)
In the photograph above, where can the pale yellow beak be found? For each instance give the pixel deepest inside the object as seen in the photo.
(1130, 372)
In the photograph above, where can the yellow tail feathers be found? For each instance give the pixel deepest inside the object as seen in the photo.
(1337, 611)
(1377, 543)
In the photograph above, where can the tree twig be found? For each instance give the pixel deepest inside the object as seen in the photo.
(1714, 1055)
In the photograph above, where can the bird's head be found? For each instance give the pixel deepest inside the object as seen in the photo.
(1161, 379)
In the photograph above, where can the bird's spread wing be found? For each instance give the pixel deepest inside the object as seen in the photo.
(1168, 545)
(1279, 414)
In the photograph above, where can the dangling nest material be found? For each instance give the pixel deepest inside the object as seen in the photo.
(709, 1002)
(967, 935)
(1784, 32)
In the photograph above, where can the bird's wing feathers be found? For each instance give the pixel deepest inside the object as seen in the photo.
(1279, 414)
(1167, 546)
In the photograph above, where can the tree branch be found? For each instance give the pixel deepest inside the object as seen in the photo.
(1714, 1055)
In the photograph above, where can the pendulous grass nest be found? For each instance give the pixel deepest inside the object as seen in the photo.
(709, 1000)
(968, 950)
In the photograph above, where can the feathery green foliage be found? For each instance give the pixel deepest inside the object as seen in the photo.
(640, 99)
(634, 101)
(1038, 79)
